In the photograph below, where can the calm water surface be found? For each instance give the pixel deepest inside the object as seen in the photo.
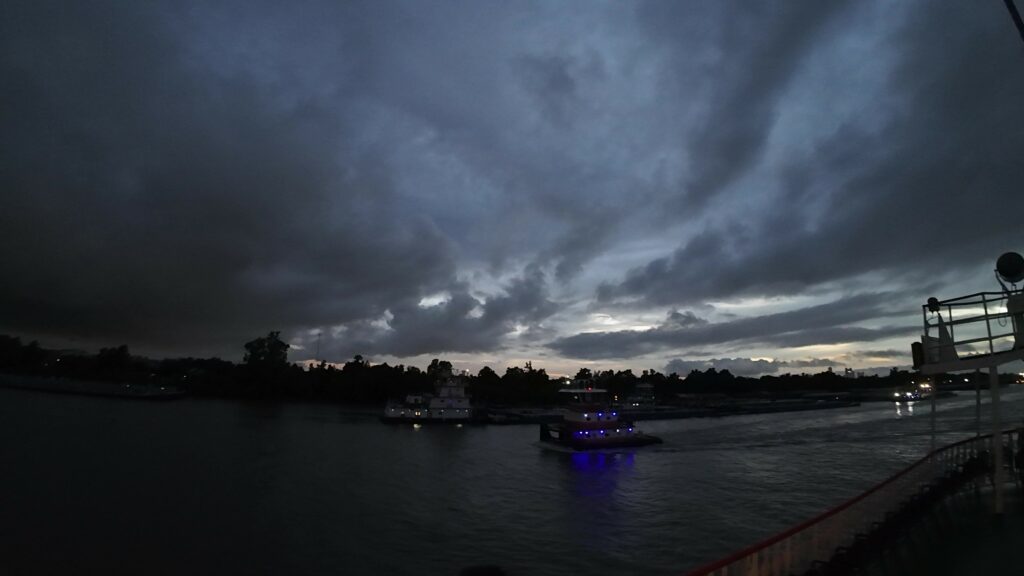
(93, 485)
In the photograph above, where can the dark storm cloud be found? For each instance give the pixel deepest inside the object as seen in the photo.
(153, 201)
(719, 113)
(935, 189)
(744, 366)
(760, 47)
(684, 319)
(551, 82)
(462, 323)
(185, 176)
(843, 334)
(900, 354)
(821, 324)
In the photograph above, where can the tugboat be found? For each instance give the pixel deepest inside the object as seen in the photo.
(448, 404)
(590, 423)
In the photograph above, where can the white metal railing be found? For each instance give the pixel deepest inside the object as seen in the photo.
(977, 324)
(798, 549)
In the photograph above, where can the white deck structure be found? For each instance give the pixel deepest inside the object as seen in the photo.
(975, 332)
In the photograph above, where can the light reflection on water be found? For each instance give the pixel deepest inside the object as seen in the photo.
(906, 408)
(597, 462)
(199, 485)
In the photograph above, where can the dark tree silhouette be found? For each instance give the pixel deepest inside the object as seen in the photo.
(267, 351)
(113, 363)
(266, 374)
(439, 368)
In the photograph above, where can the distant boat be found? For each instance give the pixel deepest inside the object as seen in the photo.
(642, 398)
(591, 423)
(448, 404)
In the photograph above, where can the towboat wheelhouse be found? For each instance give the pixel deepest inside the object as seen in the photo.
(590, 422)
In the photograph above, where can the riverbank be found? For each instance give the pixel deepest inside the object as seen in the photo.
(91, 388)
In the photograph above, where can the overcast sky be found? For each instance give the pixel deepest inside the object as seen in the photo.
(759, 186)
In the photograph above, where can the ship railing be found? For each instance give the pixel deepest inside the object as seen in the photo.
(976, 325)
(842, 529)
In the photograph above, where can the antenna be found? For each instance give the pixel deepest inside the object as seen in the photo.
(1015, 16)
(317, 357)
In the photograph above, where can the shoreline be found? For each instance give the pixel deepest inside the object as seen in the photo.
(56, 385)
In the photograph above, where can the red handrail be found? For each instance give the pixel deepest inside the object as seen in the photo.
(712, 566)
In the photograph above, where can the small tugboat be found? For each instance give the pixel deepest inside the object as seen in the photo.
(589, 423)
(448, 404)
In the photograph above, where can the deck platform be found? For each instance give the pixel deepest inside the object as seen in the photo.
(960, 537)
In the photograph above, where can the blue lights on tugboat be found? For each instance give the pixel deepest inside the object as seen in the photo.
(584, 429)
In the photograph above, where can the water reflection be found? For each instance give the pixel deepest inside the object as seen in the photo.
(595, 488)
(899, 409)
(595, 475)
(596, 462)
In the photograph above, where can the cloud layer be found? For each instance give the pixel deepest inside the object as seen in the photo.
(183, 176)
(828, 323)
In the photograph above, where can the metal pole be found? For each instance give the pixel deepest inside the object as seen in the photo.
(977, 402)
(997, 443)
(1011, 452)
(935, 390)
(988, 325)
(1015, 16)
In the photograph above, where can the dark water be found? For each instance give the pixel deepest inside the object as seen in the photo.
(92, 485)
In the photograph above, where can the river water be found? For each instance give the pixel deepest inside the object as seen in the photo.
(194, 486)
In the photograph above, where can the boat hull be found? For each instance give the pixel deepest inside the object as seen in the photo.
(571, 438)
(574, 445)
(421, 420)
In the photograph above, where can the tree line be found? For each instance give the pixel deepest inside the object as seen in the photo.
(266, 373)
